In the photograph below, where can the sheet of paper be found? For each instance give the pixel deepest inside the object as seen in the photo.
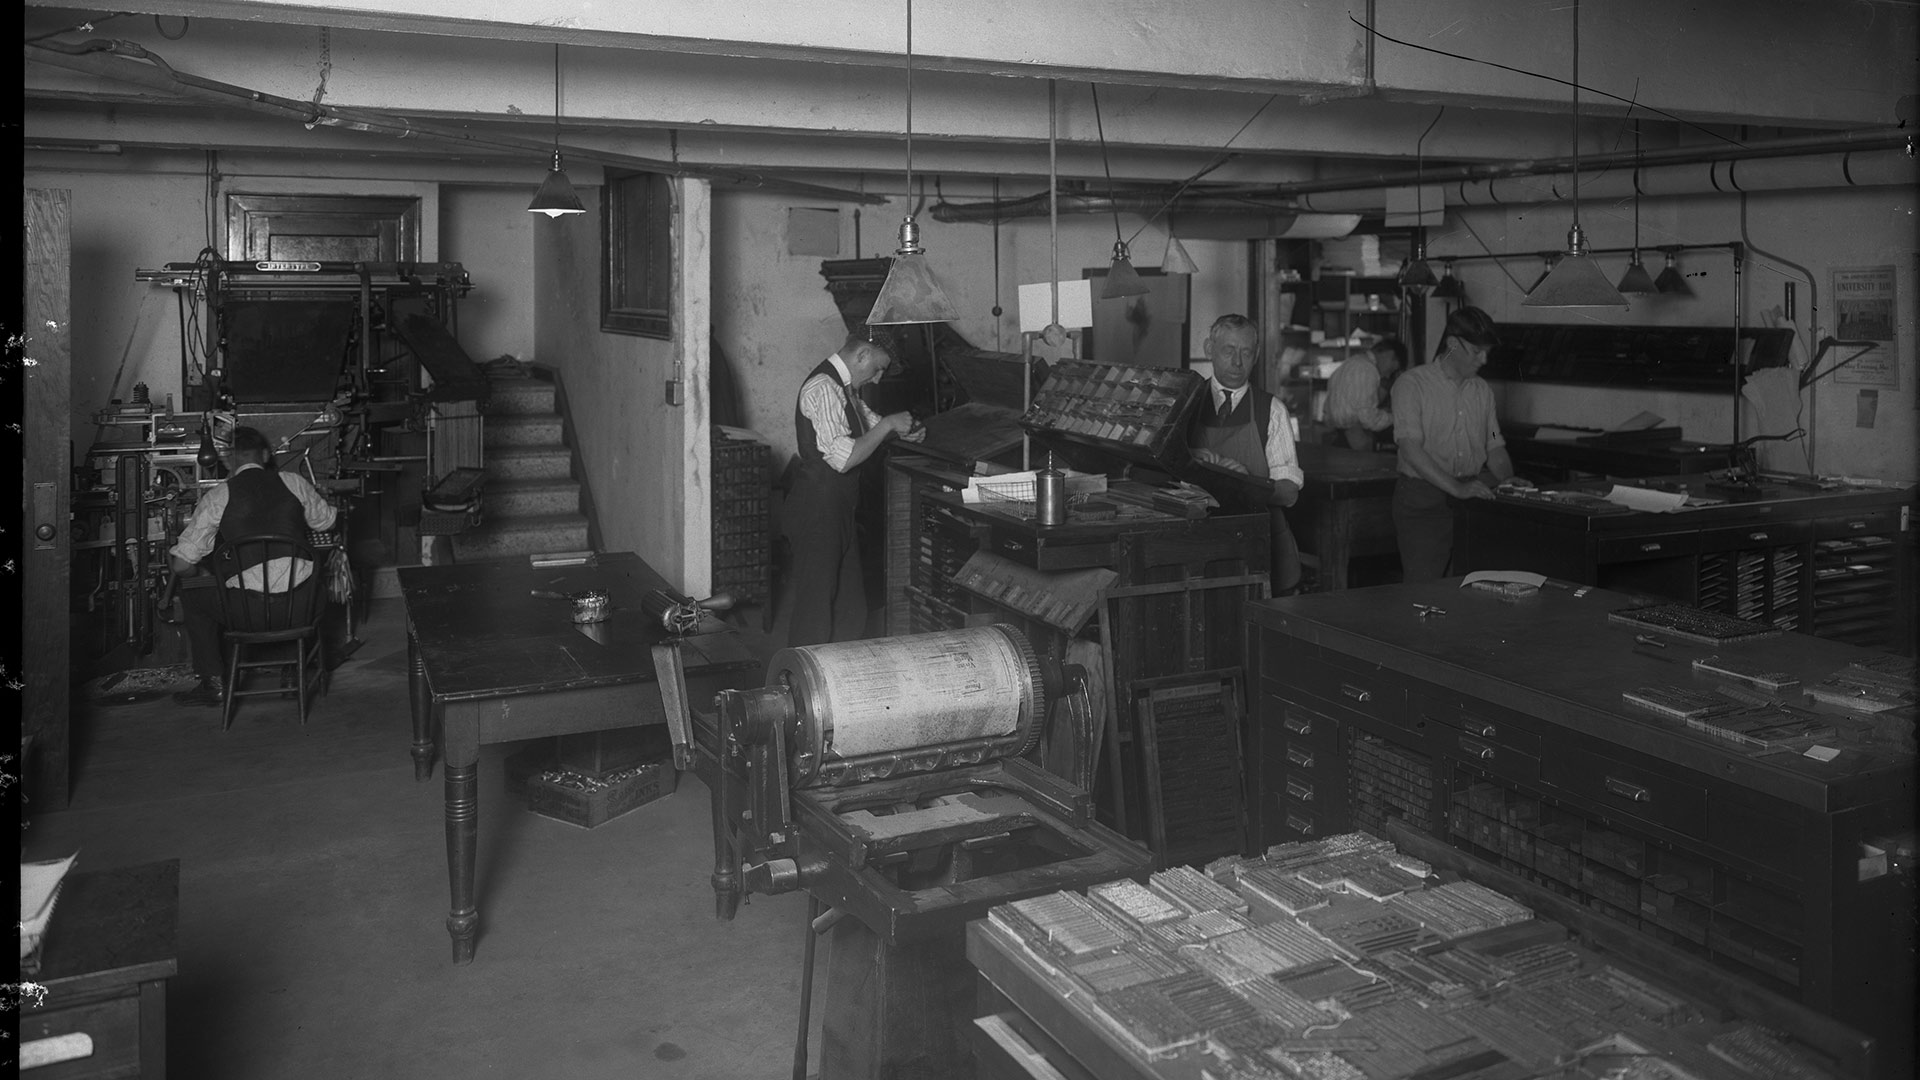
(1653, 502)
(1822, 753)
(1517, 577)
(1560, 434)
(39, 884)
(1036, 305)
(1640, 421)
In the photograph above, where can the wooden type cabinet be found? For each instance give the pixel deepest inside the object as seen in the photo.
(1173, 610)
(1499, 728)
(1834, 564)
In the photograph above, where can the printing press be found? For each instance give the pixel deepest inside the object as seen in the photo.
(889, 779)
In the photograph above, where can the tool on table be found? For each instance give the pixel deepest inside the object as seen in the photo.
(1649, 639)
(1424, 610)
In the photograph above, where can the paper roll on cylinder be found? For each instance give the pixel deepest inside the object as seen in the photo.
(890, 695)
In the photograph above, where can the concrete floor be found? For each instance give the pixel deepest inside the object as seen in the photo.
(313, 895)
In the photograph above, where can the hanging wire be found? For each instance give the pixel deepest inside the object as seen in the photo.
(1221, 159)
(1576, 115)
(1542, 75)
(556, 99)
(909, 194)
(1101, 128)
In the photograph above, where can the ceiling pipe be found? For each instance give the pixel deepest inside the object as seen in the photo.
(1877, 168)
(1882, 138)
(128, 62)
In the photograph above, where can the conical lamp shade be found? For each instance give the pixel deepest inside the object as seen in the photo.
(1418, 275)
(1576, 281)
(911, 295)
(1177, 261)
(1637, 280)
(556, 196)
(1122, 278)
(1450, 287)
(1671, 283)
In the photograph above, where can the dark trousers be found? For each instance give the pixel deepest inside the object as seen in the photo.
(829, 586)
(205, 618)
(1284, 573)
(1423, 523)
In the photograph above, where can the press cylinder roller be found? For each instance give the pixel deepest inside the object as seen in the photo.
(859, 711)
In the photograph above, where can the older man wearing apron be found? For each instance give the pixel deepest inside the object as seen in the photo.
(1244, 428)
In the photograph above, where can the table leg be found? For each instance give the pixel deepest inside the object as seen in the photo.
(420, 701)
(463, 834)
(460, 725)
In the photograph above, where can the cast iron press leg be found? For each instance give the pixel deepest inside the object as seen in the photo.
(420, 702)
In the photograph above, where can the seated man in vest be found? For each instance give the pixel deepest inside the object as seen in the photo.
(1355, 397)
(1244, 428)
(835, 435)
(254, 500)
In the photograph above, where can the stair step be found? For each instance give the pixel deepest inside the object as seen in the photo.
(525, 497)
(499, 538)
(525, 430)
(529, 463)
(520, 397)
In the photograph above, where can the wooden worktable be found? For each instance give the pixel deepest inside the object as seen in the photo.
(493, 663)
(1345, 508)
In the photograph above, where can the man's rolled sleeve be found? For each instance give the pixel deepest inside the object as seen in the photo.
(203, 527)
(1283, 457)
(822, 402)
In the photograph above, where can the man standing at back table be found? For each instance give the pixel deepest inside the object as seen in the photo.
(1248, 430)
(1449, 442)
(835, 433)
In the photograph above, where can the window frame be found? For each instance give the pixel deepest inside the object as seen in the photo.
(617, 317)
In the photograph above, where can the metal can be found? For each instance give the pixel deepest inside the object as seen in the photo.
(1050, 496)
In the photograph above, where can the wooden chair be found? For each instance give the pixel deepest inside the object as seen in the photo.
(281, 629)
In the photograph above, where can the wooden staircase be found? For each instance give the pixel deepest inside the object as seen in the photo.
(532, 501)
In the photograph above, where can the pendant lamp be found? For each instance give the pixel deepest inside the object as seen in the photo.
(910, 294)
(1122, 278)
(1177, 261)
(1418, 274)
(1636, 280)
(556, 197)
(1576, 281)
(1450, 287)
(1670, 282)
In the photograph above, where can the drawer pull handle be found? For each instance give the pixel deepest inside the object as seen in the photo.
(1357, 694)
(1297, 726)
(1628, 791)
(1757, 536)
(1483, 751)
(1856, 525)
(1480, 727)
(1302, 758)
(1652, 546)
(1300, 791)
(1300, 825)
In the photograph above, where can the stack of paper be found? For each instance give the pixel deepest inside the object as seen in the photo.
(39, 888)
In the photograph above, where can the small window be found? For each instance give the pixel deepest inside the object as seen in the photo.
(636, 289)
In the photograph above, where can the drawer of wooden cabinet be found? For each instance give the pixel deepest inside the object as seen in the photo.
(1288, 723)
(112, 1026)
(1298, 786)
(1619, 549)
(1472, 726)
(1369, 691)
(1760, 534)
(1615, 787)
(1048, 554)
(1878, 521)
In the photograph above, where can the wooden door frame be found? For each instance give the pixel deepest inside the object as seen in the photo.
(46, 547)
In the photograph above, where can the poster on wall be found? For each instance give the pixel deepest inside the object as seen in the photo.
(1864, 310)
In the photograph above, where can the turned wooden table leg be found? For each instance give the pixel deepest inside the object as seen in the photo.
(420, 701)
(463, 831)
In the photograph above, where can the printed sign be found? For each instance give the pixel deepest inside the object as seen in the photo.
(1865, 309)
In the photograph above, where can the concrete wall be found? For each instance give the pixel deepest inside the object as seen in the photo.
(1820, 230)
(489, 231)
(775, 319)
(646, 460)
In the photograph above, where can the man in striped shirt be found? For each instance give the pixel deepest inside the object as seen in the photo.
(835, 433)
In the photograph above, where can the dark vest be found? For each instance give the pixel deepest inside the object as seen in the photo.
(258, 504)
(810, 465)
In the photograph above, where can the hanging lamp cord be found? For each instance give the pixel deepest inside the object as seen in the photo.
(1576, 115)
(1104, 164)
(556, 103)
(909, 195)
